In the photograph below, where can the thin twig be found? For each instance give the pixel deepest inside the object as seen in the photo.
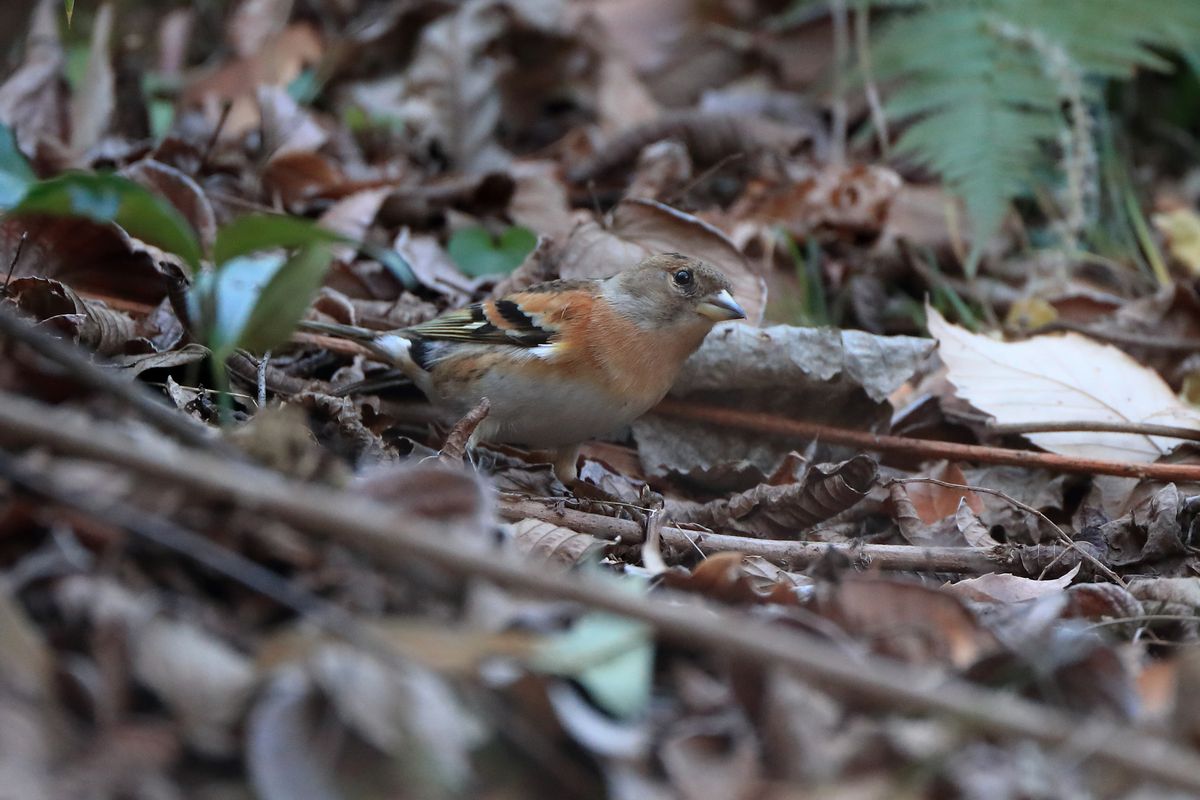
(1127, 338)
(839, 110)
(12, 265)
(794, 555)
(703, 176)
(862, 46)
(396, 541)
(261, 378)
(92, 375)
(1088, 426)
(794, 429)
(1062, 535)
(226, 107)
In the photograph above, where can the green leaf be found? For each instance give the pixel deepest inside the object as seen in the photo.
(477, 253)
(110, 198)
(16, 176)
(255, 232)
(224, 300)
(982, 84)
(611, 656)
(285, 298)
(70, 7)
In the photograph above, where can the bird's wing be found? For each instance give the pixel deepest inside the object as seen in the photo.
(529, 318)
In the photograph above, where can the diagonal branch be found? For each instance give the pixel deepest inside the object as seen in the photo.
(370, 527)
(799, 430)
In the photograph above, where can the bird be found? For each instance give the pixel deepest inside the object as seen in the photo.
(565, 361)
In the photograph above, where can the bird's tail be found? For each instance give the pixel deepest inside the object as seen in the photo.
(340, 331)
(390, 346)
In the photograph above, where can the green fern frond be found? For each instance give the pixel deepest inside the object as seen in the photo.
(984, 83)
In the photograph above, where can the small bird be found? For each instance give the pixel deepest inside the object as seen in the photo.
(565, 361)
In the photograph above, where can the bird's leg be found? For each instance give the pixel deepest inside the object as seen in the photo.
(471, 448)
(565, 460)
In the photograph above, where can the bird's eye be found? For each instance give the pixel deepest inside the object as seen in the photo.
(683, 277)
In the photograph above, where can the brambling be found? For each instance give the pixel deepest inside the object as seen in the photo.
(565, 361)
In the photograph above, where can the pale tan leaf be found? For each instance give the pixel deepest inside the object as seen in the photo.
(554, 543)
(1061, 378)
(202, 679)
(450, 92)
(95, 100)
(999, 587)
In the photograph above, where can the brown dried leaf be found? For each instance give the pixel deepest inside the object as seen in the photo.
(820, 375)
(286, 127)
(87, 256)
(132, 365)
(204, 681)
(433, 267)
(933, 502)
(295, 178)
(94, 101)
(282, 755)
(275, 64)
(663, 170)
(89, 322)
(824, 491)
(554, 543)
(997, 587)
(352, 217)
(404, 710)
(180, 191)
(33, 100)
(540, 201)
(715, 756)
(1149, 533)
(254, 23)
(907, 620)
(1101, 601)
(709, 138)
(849, 201)
(453, 503)
(450, 94)
(734, 578)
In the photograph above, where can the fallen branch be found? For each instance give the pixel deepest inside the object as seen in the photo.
(372, 528)
(924, 448)
(1085, 426)
(793, 555)
(1067, 542)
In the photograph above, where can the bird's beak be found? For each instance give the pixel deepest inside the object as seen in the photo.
(720, 307)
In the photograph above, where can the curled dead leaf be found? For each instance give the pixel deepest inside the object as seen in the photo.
(180, 191)
(907, 620)
(87, 256)
(554, 543)
(824, 491)
(89, 322)
(998, 587)
(734, 578)
(709, 137)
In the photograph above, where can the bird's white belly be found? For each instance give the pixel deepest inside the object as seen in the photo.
(544, 414)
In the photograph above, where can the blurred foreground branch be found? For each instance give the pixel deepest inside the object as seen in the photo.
(371, 527)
